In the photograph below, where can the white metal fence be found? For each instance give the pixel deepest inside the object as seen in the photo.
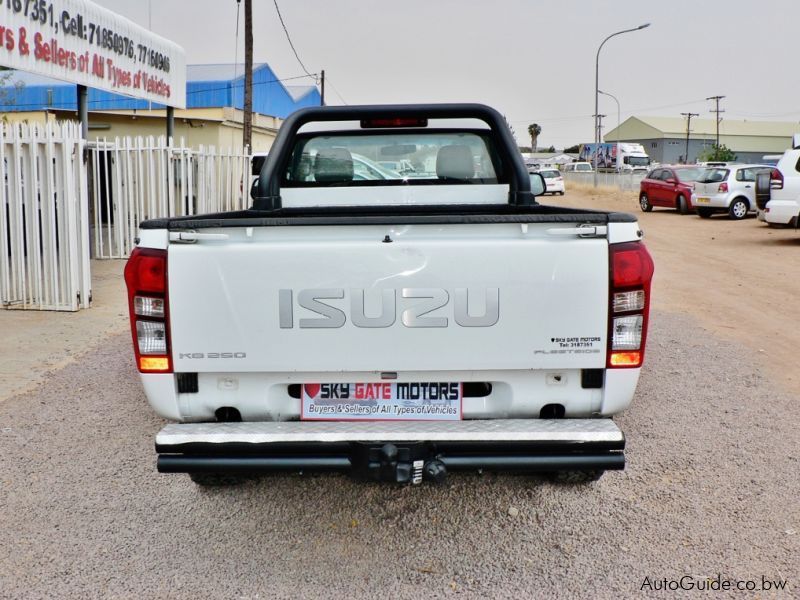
(44, 223)
(623, 181)
(133, 179)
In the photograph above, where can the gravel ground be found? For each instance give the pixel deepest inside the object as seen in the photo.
(711, 487)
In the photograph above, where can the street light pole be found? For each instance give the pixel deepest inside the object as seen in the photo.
(597, 91)
(613, 97)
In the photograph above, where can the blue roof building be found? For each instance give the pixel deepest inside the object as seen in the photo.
(207, 86)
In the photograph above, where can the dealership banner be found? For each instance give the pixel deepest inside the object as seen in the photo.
(81, 42)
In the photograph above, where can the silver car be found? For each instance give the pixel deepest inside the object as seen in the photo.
(730, 189)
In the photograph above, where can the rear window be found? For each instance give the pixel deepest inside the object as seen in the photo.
(713, 176)
(550, 173)
(343, 159)
(690, 174)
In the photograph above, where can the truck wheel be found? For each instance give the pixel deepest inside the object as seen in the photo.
(738, 209)
(216, 479)
(644, 203)
(680, 204)
(576, 476)
(704, 213)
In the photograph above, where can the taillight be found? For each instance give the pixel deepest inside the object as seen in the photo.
(776, 180)
(631, 271)
(146, 279)
(723, 187)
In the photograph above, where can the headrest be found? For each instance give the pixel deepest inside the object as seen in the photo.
(455, 162)
(333, 165)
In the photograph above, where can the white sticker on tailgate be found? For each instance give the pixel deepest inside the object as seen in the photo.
(385, 401)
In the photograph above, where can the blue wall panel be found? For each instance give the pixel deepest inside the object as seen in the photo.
(270, 97)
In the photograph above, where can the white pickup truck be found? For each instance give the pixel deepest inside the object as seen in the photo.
(394, 328)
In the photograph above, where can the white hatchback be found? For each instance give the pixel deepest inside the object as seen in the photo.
(553, 180)
(730, 189)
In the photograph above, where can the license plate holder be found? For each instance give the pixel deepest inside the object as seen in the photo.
(382, 401)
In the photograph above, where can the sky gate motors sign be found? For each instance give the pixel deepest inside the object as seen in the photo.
(81, 42)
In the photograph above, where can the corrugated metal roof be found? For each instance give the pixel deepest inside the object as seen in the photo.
(298, 91)
(207, 86)
(676, 127)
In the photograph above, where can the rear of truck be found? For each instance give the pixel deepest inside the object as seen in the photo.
(396, 328)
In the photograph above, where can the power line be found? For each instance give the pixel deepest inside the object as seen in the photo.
(627, 112)
(333, 87)
(289, 39)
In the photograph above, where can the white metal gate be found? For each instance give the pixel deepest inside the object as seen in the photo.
(44, 223)
(133, 179)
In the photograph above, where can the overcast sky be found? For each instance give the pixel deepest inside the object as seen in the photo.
(532, 60)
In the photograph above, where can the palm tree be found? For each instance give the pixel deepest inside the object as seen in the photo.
(534, 130)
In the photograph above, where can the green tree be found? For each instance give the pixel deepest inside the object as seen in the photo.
(573, 149)
(721, 153)
(8, 90)
(551, 149)
(534, 130)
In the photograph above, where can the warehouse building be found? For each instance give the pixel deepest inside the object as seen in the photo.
(213, 114)
(664, 138)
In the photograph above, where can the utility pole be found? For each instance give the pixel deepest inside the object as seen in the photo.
(688, 116)
(247, 134)
(599, 137)
(718, 111)
(322, 93)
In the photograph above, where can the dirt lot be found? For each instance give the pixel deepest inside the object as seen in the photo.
(741, 279)
(709, 492)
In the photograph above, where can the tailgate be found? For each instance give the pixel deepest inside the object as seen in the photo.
(379, 298)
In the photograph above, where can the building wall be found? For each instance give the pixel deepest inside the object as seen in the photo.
(219, 132)
(672, 150)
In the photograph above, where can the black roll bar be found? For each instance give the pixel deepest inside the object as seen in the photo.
(268, 191)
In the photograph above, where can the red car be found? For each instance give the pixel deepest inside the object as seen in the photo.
(670, 187)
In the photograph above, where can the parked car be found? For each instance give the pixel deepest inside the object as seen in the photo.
(553, 180)
(670, 187)
(578, 167)
(730, 189)
(783, 205)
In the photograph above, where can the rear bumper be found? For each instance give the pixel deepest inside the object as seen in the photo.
(781, 212)
(393, 451)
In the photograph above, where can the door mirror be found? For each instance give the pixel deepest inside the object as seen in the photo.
(538, 186)
(254, 188)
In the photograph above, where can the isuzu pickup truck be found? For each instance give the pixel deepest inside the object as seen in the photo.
(397, 328)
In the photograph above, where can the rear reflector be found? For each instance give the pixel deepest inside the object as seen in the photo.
(154, 364)
(625, 359)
